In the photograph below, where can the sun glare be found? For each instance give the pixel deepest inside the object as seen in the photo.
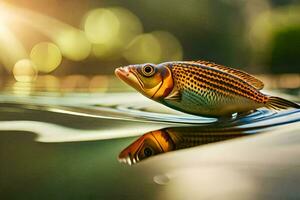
(11, 48)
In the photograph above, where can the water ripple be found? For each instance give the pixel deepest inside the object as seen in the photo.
(115, 115)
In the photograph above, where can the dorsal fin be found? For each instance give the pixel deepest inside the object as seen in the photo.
(258, 84)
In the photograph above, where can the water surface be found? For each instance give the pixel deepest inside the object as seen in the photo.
(67, 147)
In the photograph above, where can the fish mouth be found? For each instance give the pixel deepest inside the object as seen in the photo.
(126, 75)
(126, 158)
(122, 72)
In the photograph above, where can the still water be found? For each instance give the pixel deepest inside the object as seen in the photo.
(68, 146)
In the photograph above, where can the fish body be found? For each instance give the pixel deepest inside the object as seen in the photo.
(200, 87)
(211, 92)
(171, 139)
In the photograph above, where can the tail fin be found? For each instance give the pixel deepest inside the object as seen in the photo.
(278, 103)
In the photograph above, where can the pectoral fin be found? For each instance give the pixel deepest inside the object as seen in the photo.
(175, 96)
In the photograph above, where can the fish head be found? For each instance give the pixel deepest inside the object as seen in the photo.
(150, 144)
(153, 81)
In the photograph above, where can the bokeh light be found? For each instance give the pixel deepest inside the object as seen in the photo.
(110, 30)
(73, 44)
(106, 52)
(46, 56)
(72, 82)
(101, 26)
(48, 82)
(154, 47)
(98, 84)
(144, 48)
(113, 36)
(25, 71)
(171, 48)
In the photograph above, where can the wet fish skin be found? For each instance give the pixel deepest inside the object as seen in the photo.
(200, 87)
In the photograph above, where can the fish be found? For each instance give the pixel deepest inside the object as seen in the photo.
(171, 139)
(201, 88)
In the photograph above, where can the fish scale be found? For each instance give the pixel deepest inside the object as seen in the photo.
(201, 88)
(246, 77)
(201, 94)
(233, 88)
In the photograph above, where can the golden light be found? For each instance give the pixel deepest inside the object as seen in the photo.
(110, 30)
(3, 11)
(101, 26)
(130, 26)
(46, 56)
(153, 47)
(73, 44)
(106, 51)
(144, 48)
(98, 84)
(25, 71)
(171, 47)
(11, 48)
(49, 82)
(22, 88)
(75, 82)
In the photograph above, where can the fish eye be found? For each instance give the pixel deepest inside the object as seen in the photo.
(148, 70)
(148, 152)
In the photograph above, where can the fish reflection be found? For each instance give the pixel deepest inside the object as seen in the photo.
(170, 139)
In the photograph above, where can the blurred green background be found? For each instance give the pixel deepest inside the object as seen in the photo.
(87, 39)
